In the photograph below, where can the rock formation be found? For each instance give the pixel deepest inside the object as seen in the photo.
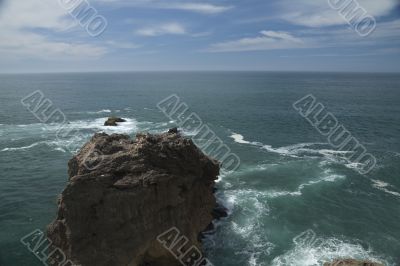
(123, 193)
(112, 121)
(352, 262)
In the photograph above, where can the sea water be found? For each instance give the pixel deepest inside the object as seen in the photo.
(290, 182)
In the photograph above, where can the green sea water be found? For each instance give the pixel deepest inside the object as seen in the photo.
(290, 179)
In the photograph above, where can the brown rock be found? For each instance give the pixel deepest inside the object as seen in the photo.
(219, 212)
(173, 130)
(123, 193)
(352, 262)
(112, 121)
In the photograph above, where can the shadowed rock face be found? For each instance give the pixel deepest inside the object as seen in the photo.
(351, 262)
(123, 193)
(112, 121)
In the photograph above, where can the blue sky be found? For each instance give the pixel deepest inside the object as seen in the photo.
(273, 35)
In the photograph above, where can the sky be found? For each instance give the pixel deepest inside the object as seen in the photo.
(169, 35)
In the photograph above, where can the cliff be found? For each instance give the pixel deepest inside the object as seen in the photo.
(123, 194)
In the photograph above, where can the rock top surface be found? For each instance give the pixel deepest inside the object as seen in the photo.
(123, 193)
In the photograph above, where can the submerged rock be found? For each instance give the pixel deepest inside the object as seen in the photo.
(123, 193)
(112, 121)
(352, 262)
(219, 212)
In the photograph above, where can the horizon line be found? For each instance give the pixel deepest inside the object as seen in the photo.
(198, 71)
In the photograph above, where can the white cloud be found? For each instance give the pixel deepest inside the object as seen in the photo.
(162, 29)
(197, 7)
(45, 14)
(313, 13)
(36, 46)
(20, 21)
(268, 40)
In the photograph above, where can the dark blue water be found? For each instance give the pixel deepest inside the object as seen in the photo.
(290, 179)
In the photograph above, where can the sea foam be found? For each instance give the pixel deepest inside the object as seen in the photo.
(383, 186)
(324, 250)
(85, 129)
(313, 150)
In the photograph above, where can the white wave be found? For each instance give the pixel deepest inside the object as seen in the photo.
(396, 153)
(324, 250)
(94, 124)
(60, 149)
(192, 134)
(263, 167)
(129, 126)
(330, 152)
(328, 176)
(77, 137)
(276, 194)
(100, 112)
(249, 200)
(223, 173)
(239, 138)
(245, 169)
(72, 144)
(291, 150)
(249, 206)
(383, 186)
(305, 150)
(22, 148)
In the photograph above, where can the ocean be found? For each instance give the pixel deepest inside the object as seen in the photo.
(294, 200)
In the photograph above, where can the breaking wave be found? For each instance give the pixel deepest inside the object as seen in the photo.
(328, 176)
(80, 132)
(249, 206)
(21, 148)
(304, 150)
(383, 186)
(100, 112)
(324, 250)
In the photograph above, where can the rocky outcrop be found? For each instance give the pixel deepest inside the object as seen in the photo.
(352, 262)
(123, 193)
(113, 121)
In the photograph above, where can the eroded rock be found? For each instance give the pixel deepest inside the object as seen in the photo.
(123, 193)
(113, 121)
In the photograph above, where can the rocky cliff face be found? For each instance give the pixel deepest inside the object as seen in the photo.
(123, 193)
